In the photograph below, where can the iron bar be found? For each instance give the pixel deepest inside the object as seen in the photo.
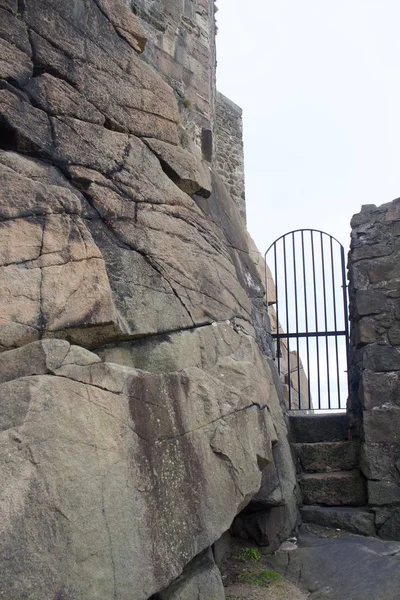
(325, 320)
(335, 322)
(306, 320)
(278, 340)
(287, 326)
(345, 312)
(314, 334)
(297, 319)
(314, 271)
(316, 318)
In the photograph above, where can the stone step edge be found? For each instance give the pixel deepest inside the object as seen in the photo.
(338, 475)
(355, 519)
(324, 466)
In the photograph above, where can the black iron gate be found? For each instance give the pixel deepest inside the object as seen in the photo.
(310, 322)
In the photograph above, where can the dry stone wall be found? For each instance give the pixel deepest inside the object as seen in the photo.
(138, 410)
(374, 271)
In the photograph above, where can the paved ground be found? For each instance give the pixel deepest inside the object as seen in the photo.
(333, 565)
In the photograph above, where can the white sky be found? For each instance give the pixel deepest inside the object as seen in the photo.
(319, 84)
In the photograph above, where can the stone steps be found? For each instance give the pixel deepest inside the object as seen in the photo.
(355, 520)
(340, 488)
(322, 457)
(319, 428)
(328, 472)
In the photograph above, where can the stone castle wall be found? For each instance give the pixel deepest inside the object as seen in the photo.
(374, 271)
(228, 144)
(181, 46)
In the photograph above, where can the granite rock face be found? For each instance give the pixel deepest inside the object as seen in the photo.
(138, 412)
(374, 270)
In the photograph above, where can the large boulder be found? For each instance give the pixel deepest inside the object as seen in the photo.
(137, 411)
(114, 478)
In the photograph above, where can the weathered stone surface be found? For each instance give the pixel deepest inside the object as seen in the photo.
(141, 437)
(268, 527)
(125, 23)
(382, 425)
(335, 566)
(10, 5)
(380, 389)
(383, 493)
(201, 579)
(328, 456)
(58, 98)
(370, 302)
(15, 65)
(380, 358)
(229, 158)
(114, 478)
(378, 461)
(355, 520)
(345, 488)
(14, 31)
(28, 127)
(319, 428)
(365, 332)
(187, 170)
(390, 529)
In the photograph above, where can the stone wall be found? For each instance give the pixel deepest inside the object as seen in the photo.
(181, 46)
(228, 147)
(374, 272)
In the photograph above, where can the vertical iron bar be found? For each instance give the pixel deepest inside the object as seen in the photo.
(325, 320)
(306, 319)
(278, 338)
(297, 319)
(287, 322)
(346, 314)
(316, 318)
(335, 323)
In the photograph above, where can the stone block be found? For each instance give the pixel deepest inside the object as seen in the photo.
(382, 425)
(393, 212)
(355, 520)
(345, 488)
(328, 456)
(390, 529)
(384, 269)
(370, 302)
(394, 335)
(379, 389)
(379, 357)
(319, 428)
(378, 461)
(365, 331)
(382, 493)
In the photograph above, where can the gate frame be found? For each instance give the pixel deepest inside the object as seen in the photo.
(317, 333)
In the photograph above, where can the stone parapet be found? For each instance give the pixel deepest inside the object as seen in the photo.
(374, 273)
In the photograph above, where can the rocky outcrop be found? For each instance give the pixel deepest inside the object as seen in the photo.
(138, 411)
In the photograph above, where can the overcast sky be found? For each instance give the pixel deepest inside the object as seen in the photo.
(319, 84)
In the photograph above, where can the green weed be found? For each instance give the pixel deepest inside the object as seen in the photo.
(249, 554)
